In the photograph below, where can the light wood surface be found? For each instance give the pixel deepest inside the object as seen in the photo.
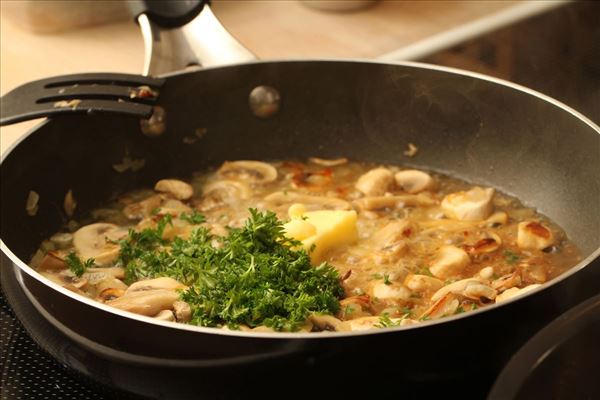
(271, 29)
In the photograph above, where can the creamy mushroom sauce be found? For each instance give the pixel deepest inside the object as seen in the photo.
(427, 245)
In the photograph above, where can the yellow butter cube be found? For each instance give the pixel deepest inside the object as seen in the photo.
(332, 228)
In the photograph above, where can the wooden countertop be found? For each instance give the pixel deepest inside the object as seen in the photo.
(269, 28)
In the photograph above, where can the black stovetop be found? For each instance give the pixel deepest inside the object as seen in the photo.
(28, 372)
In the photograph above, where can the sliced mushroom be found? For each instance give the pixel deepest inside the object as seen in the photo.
(102, 279)
(146, 302)
(32, 203)
(174, 208)
(534, 274)
(457, 287)
(69, 204)
(65, 278)
(422, 283)
(375, 182)
(324, 322)
(250, 171)
(389, 291)
(444, 306)
(450, 260)
(178, 189)
(407, 200)
(533, 235)
(62, 240)
(52, 261)
(328, 162)
(497, 218)
(165, 315)
(390, 254)
(390, 241)
(222, 192)
(110, 294)
(108, 282)
(182, 310)
(154, 284)
(392, 233)
(115, 272)
(507, 281)
(414, 181)
(514, 292)
(472, 205)
(278, 199)
(143, 208)
(491, 242)
(478, 291)
(97, 241)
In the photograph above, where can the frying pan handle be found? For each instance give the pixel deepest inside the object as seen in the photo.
(168, 14)
(180, 34)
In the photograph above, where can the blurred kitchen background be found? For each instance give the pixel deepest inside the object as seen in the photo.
(551, 46)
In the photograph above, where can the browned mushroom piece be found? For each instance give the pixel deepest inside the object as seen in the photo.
(253, 172)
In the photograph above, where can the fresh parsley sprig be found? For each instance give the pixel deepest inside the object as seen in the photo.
(254, 276)
(77, 266)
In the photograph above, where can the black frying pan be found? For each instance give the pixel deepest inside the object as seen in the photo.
(471, 126)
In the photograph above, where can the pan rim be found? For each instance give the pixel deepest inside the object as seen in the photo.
(317, 335)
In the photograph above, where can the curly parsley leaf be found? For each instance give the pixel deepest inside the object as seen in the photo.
(194, 218)
(77, 266)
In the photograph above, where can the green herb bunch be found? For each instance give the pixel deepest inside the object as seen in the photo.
(254, 276)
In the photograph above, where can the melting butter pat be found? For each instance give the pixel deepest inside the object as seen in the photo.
(325, 229)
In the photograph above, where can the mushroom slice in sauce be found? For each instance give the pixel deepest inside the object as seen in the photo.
(97, 241)
(174, 208)
(328, 162)
(324, 322)
(143, 208)
(376, 182)
(165, 315)
(255, 172)
(220, 193)
(450, 260)
(110, 294)
(414, 181)
(489, 243)
(514, 292)
(52, 261)
(422, 283)
(62, 240)
(444, 306)
(182, 311)
(472, 205)
(154, 284)
(533, 235)
(178, 189)
(146, 302)
(506, 282)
